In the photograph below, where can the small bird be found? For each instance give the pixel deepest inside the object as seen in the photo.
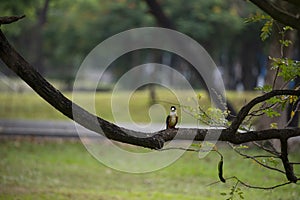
(172, 118)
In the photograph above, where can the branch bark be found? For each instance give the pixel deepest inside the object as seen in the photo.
(150, 140)
(246, 109)
(55, 98)
(10, 19)
(295, 2)
(156, 140)
(278, 14)
(289, 171)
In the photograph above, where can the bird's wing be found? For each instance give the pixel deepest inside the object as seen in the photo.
(176, 120)
(167, 121)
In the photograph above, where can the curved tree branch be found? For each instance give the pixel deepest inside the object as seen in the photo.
(10, 19)
(149, 140)
(278, 14)
(294, 2)
(246, 109)
(55, 98)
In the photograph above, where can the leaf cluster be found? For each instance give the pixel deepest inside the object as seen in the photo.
(266, 29)
(210, 116)
(288, 68)
(234, 192)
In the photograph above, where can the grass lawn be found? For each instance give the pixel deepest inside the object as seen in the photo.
(43, 169)
(30, 106)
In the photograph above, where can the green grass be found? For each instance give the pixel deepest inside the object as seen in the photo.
(40, 169)
(29, 105)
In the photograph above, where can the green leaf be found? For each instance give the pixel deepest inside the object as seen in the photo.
(288, 68)
(195, 145)
(257, 17)
(265, 88)
(285, 43)
(273, 161)
(274, 100)
(271, 112)
(267, 27)
(223, 193)
(286, 28)
(266, 30)
(274, 125)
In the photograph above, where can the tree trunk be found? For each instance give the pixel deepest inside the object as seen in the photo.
(249, 64)
(36, 39)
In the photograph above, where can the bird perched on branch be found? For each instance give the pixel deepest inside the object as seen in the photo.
(172, 118)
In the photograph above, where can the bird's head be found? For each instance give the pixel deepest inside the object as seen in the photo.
(173, 109)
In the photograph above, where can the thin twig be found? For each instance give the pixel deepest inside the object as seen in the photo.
(257, 161)
(286, 83)
(272, 151)
(275, 78)
(264, 156)
(190, 149)
(292, 117)
(252, 186)
(260, 187)
(245, 109)
(205, 114)
(294, 163)
(263, 108)
(181, 148)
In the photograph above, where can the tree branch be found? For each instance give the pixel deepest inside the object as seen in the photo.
(257, 161)
(156, 140)
(259, 187)
(149, 140)
(10, 19)
(253, 186)
(295, 2)
(277, 13)
(55, 98)
(245, 110)
(271, 151)
(289, 171)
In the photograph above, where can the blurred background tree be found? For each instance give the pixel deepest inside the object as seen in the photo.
(60, 34)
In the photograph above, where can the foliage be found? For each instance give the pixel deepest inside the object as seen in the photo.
(286, 68)
(85, 25)
(266, 28)
(73, 28)
(9, 8)
(234, 192)
(210, 116)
